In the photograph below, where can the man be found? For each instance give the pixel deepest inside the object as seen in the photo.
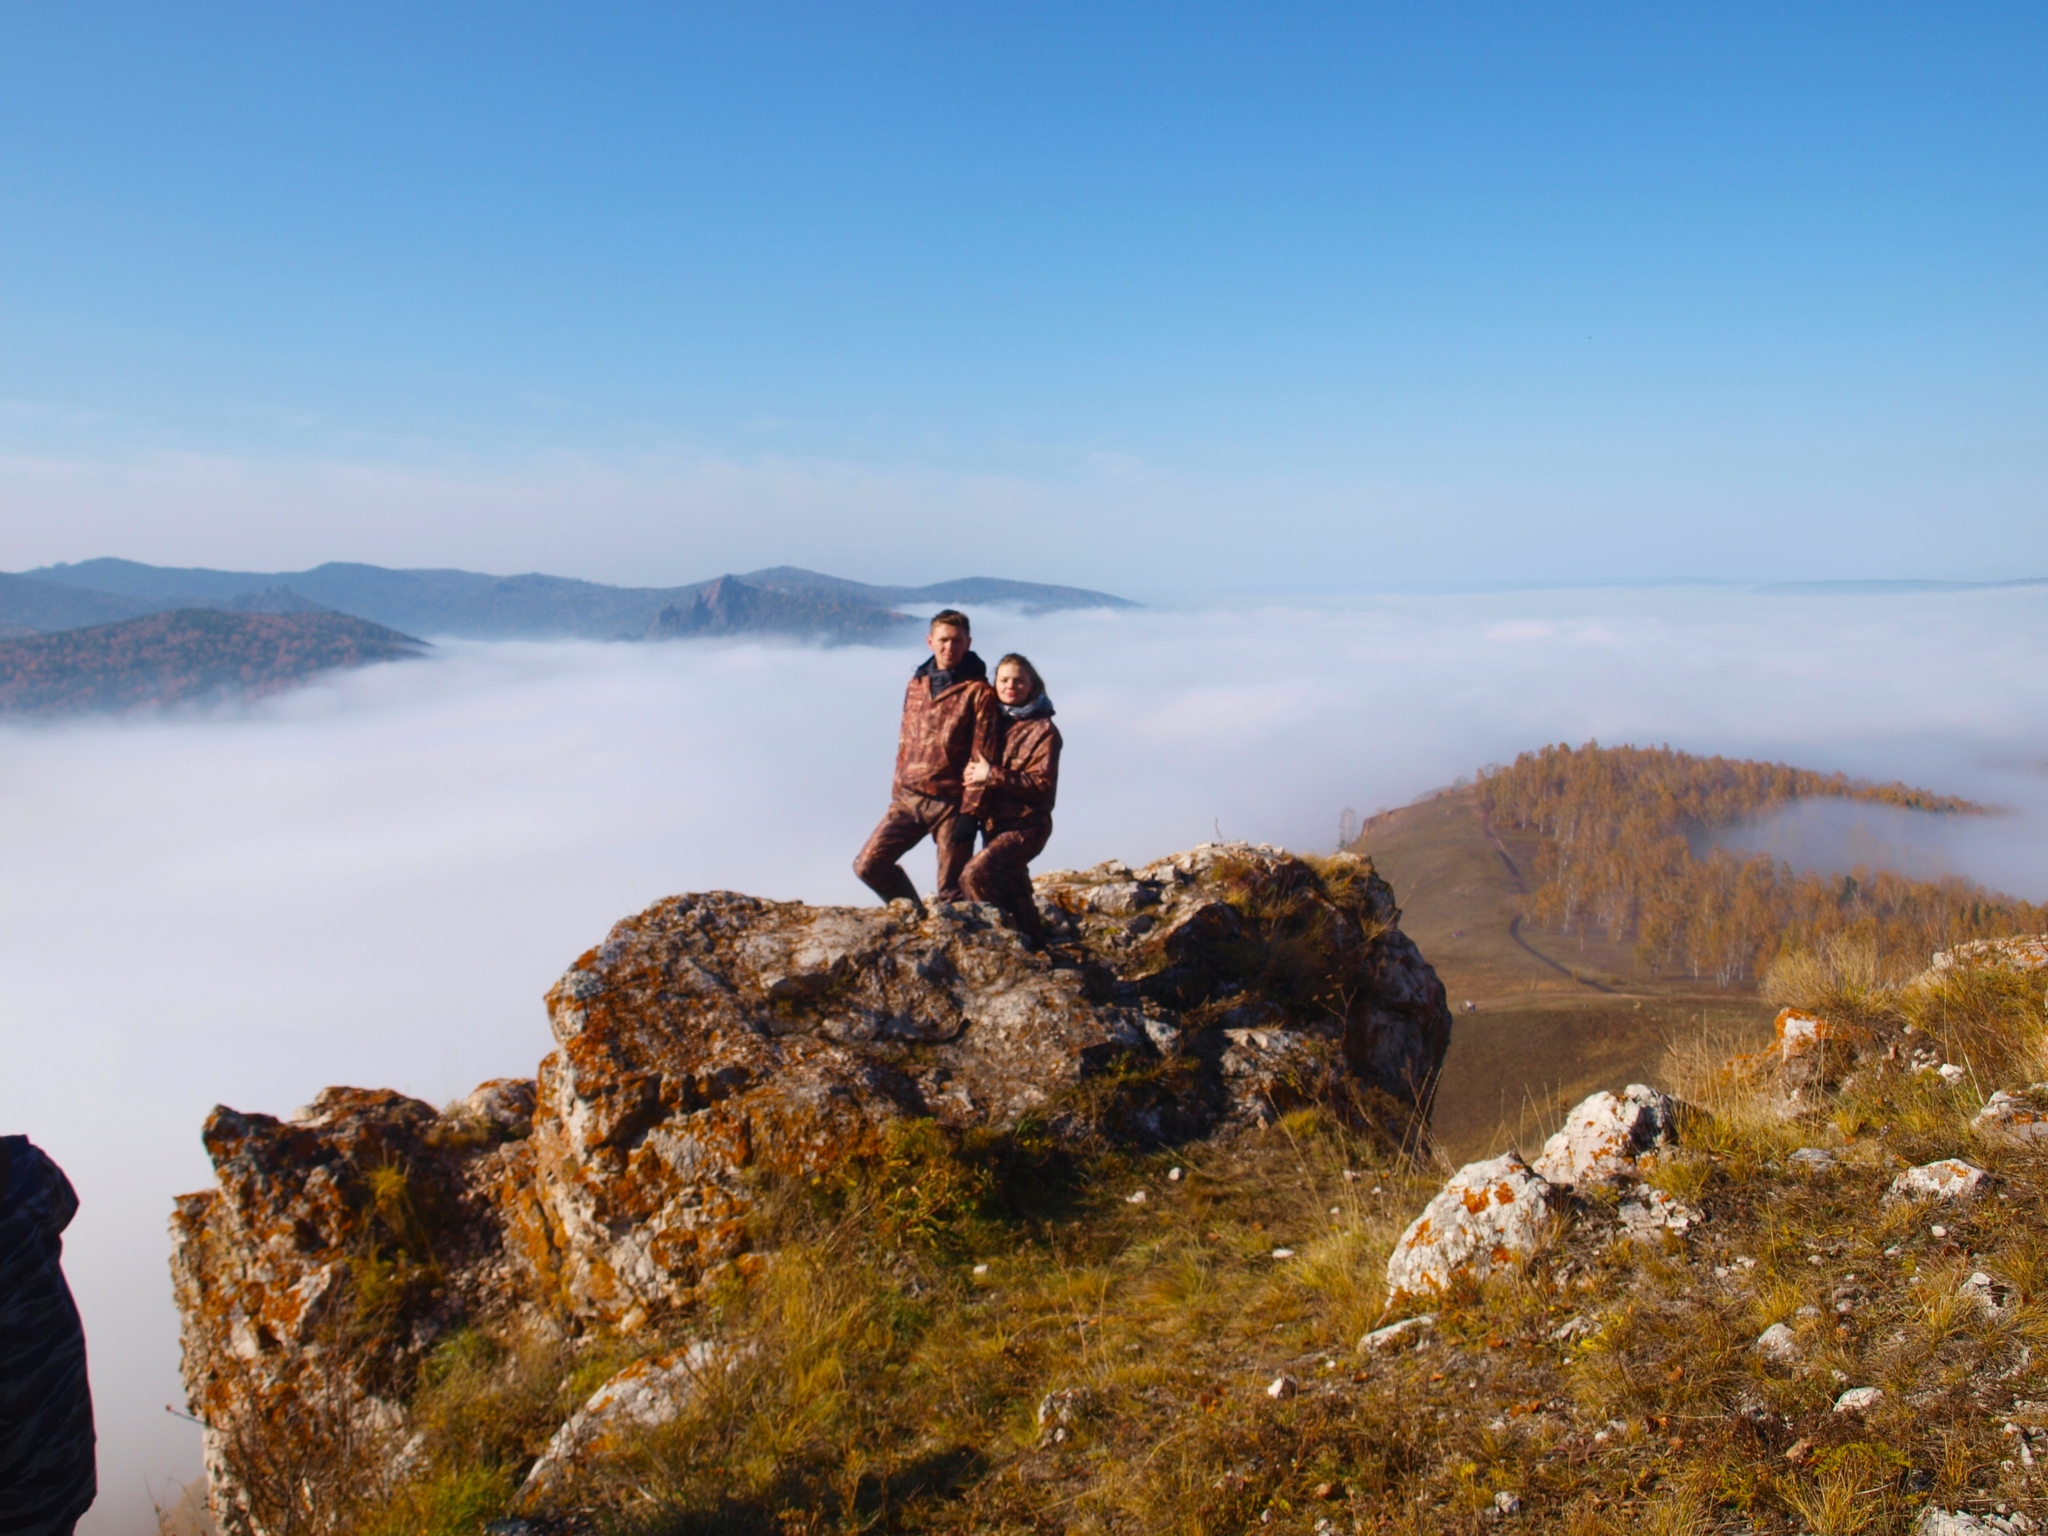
(950, 717)
(46, 1440)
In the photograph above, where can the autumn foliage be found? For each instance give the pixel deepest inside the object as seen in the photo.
(1619, 830)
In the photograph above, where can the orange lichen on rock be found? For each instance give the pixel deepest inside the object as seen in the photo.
(717, 1039)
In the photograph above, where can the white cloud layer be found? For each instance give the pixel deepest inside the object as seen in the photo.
(372, 881)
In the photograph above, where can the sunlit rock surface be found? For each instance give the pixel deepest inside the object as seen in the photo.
(716, 1040)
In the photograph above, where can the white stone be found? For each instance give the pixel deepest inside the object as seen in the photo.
(1283, 1385)
(1949, 1072)
(1137, 1198)
(1490, 1216)
(1508, 1503)
(1649, 1211)
(645, 1395)
(1948, 1179)
(1410, 1330)
(1859, 1399)
(2016, 1114)
(1996, 954)
(1778, 1344)
(1993, 1299)
(1064, 1406)
(1942, 1522)
(1604, 1135)
(1812, 1159)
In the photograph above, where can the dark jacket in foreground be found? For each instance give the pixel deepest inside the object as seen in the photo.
(948, 718)
(46, 1437)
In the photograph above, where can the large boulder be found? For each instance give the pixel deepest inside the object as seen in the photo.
(717, 1039)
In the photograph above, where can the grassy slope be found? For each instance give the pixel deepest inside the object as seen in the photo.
(913, 1316)
(1557, 1018)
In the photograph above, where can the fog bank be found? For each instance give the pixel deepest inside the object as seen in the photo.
(373, 880)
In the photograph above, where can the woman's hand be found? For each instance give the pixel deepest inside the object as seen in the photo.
(976, 774)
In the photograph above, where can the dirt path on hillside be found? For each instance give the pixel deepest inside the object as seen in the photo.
(1522, 888)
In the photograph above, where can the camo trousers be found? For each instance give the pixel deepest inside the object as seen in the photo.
(1001, 874)
(910, 819)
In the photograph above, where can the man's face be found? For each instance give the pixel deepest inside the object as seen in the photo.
(949, 645)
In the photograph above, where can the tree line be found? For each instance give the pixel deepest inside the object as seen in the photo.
(1619, 830)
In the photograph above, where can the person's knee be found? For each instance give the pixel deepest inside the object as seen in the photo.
(979, 881)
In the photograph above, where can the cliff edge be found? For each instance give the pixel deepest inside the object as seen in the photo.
(717, 1043)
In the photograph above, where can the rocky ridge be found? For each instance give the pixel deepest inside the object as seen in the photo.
(716, 1043)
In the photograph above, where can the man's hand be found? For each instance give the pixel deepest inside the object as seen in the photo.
(976, 774)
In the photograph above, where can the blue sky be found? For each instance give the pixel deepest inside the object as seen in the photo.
(1158, 298)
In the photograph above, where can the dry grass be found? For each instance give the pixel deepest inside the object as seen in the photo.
(913, 1314)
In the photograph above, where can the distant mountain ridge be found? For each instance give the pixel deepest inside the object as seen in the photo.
(472, 605)
(185, 654)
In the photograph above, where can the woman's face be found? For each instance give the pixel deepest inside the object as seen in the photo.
(1013, 684)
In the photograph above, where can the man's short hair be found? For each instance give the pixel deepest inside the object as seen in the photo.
(952, 616)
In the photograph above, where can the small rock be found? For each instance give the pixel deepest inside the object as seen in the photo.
(1996, 955)
(1064, 1406)
(1489, 1216)
(1604, 1135)
(1799, 1451)
(1139, 1198)
(1571, 1328)
(1327, 1490)
(1942, 1522)
(1410, 1330)
(980, 1269)
(1949, 1178)
(1811, 1159)
(1993, 1298)
(1651, 1210)
(645, 1395)
(1859, 1399)
(2019, 1114)
(1508, 1503)
(1283, 1253)
(1949, 1072)
(1778, 1344)
(1281, 1386)
(1174, 1175)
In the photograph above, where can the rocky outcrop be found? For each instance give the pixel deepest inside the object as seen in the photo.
(1499, 1213)
(715, 1041)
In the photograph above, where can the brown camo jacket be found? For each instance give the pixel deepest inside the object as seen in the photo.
(1025, 779)
(941, 734)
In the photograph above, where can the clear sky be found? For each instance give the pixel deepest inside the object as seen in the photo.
(1166, 299)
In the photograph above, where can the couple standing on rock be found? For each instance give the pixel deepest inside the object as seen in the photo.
(971, 759)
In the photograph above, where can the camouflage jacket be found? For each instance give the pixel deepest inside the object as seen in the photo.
(944, 729)
(1024, 778)
(47, 1475)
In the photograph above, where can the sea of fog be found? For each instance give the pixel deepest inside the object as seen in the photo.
(373, 880)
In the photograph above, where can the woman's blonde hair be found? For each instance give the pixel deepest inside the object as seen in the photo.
(1015, 659)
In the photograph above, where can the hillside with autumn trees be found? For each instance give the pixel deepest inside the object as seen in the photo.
(1619, 834)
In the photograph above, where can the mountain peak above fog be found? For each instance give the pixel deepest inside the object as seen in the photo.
(475, 605)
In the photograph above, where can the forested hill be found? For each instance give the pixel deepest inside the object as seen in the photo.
(184, 655)
(1619, 827)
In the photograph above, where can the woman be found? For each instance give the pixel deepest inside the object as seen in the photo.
(1015, 794)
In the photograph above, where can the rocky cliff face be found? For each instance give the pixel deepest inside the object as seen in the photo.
(716, 1042)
